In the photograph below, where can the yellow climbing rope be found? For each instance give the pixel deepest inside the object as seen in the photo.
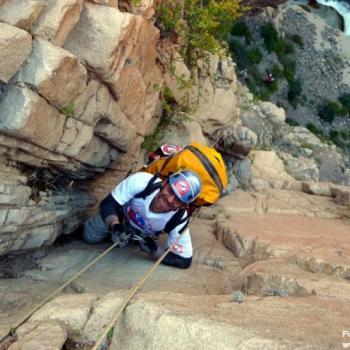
(131, 293)
(125, 302)
(24, 319)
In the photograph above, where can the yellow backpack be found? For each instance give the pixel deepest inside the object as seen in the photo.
(203, 160)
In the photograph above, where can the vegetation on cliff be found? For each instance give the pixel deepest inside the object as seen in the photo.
(198, 26)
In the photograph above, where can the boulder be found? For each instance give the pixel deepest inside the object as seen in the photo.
(96, 42)
(13, 187)
(55, 73)
(137, 87)
(15, 47)
(234, 140)
(268, 167)
(26, 115)
(179, 74)
(104, 309)
(215, 99)
(57, 20)
(97, 154)
(22, 14)
(97, 107)
(276, 115)
(217, 108)
(71, 310)
(301, 168)
(130, 70)
(172, 332)
(49, 335)
(341, 194)
(330, 164)
(256, 121)
(296, 140)
(317, 188)
(75, 137)
(182, 131)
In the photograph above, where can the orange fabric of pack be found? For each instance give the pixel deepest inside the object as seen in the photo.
(203, 160)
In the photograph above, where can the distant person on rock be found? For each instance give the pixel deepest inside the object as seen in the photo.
(141, 207)
(269, 79)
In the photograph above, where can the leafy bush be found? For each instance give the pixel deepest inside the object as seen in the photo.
(329, 110)
(252, 86)
(169, 18)
(270, 36)
(273, 87)
(289, 69)
(345, 101)
(277, 71)
(341, 138)
(294, 91)
(292, 122)
(305, 7)
(254, 55)
(297, 39)
(241, 29)
(68, 110)
(239, 52)
(200, 26)
(316, 131)
(288, 47)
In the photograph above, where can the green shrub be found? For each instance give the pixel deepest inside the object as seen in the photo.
(329, 110)
(316, 131)
(288, 47)
(241, 29)
(305, 7)
(169, 18)
(345, 101)
(68, 110)
(294, 90)
(289, 69)
(252, 86)
(272, 87)
(292, 122)
(200, 26)
(337, 59)
(254, 55)
(277, 71)
(341, 138)
(297, 39)
(239, 53)
(264, 94)
(270, 36)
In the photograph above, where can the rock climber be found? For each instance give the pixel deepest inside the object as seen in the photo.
(141, 207)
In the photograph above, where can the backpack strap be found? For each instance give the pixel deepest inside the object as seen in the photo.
(176, 220)
(208, 167)
(150, 188)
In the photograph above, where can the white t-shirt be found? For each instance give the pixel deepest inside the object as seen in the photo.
(139, 215)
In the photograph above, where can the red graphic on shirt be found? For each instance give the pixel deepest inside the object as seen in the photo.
(136, 218)
(182, 187)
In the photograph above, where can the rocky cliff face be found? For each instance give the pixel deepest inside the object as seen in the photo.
(77, 85)
(80, 89)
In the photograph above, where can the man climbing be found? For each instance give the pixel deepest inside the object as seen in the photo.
(141, 207)
(269, 79)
